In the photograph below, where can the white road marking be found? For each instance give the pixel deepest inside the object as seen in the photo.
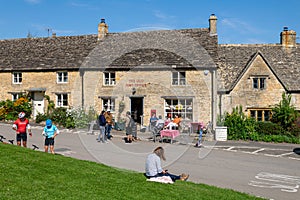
(283, 182)
(259, 150)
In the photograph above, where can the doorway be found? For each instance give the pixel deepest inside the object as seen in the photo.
(38, 103)
(137, 108)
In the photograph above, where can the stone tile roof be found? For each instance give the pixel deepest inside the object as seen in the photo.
(183, 48)
(149, 57)
(55, 53)
(45, 53)
(285, 63)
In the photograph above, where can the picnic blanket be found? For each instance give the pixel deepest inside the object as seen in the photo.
(161, 179)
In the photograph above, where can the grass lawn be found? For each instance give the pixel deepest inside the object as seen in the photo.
(28, 174)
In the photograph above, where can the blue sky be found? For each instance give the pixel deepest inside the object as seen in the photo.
(239, 21)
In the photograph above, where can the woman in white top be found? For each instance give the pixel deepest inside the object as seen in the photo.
(153, 166)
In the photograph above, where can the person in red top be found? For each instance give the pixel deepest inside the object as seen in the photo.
(21, 126)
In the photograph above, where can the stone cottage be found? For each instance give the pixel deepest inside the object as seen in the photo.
(166, 72)
(256, 75)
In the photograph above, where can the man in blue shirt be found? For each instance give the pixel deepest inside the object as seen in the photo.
(50, 132)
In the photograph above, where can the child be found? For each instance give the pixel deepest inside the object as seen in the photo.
(199, 142)
(50, 132)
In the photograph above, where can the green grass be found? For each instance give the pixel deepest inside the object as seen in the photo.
(28, 174)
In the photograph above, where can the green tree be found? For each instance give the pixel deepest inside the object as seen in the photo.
(239, 125)
(284, 113)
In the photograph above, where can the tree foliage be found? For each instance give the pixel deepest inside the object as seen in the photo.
(284, 113)
(239, 125)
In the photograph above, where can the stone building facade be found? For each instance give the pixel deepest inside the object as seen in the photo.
(168, 72)
(255, 76)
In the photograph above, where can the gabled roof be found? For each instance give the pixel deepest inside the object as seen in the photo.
(45, 53)
(249, 64)
(186, 48)
(284, 62)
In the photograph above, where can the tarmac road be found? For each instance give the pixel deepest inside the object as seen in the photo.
(261, 169)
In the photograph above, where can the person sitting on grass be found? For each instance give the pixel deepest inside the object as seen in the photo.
(153, 166)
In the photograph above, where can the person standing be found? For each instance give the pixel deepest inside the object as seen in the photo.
(50, 131)
(102, 123)
(109, 124)
(153, 120)
(153, 166)
(128, 128)
(199, 142)
(22, 126)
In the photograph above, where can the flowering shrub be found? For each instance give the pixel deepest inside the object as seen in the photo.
(69, 118)
(9, 110)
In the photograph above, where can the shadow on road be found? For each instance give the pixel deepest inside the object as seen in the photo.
(297, 151)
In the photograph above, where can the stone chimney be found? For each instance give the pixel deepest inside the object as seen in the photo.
(288, 37)
(102, 29)
(213, 24)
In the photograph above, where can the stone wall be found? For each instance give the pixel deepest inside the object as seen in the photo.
(154, 86)
(30, 80)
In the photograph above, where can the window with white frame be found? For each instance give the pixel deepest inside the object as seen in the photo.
(17, 77)
(62, 77)
(259, 83)
(178, 78)
(109, 78)
(108, 104)
(62, 100)
(181, 106)
(15, 96)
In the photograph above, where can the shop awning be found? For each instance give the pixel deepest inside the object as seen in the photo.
(36, 90)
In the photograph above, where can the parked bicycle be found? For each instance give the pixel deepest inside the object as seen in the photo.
(5, 141)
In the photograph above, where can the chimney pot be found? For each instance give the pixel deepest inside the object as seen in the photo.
(213, 24)
(102, 29)
(288, 37)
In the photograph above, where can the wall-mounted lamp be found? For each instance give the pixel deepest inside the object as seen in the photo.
(133, 91)
(206, 72)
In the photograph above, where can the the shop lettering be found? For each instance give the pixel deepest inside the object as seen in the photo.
(135, 83)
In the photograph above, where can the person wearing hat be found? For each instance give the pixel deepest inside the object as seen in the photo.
(21, 126)
(109, 124)
(50, 131)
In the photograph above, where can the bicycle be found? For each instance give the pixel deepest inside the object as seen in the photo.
(2, 138)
